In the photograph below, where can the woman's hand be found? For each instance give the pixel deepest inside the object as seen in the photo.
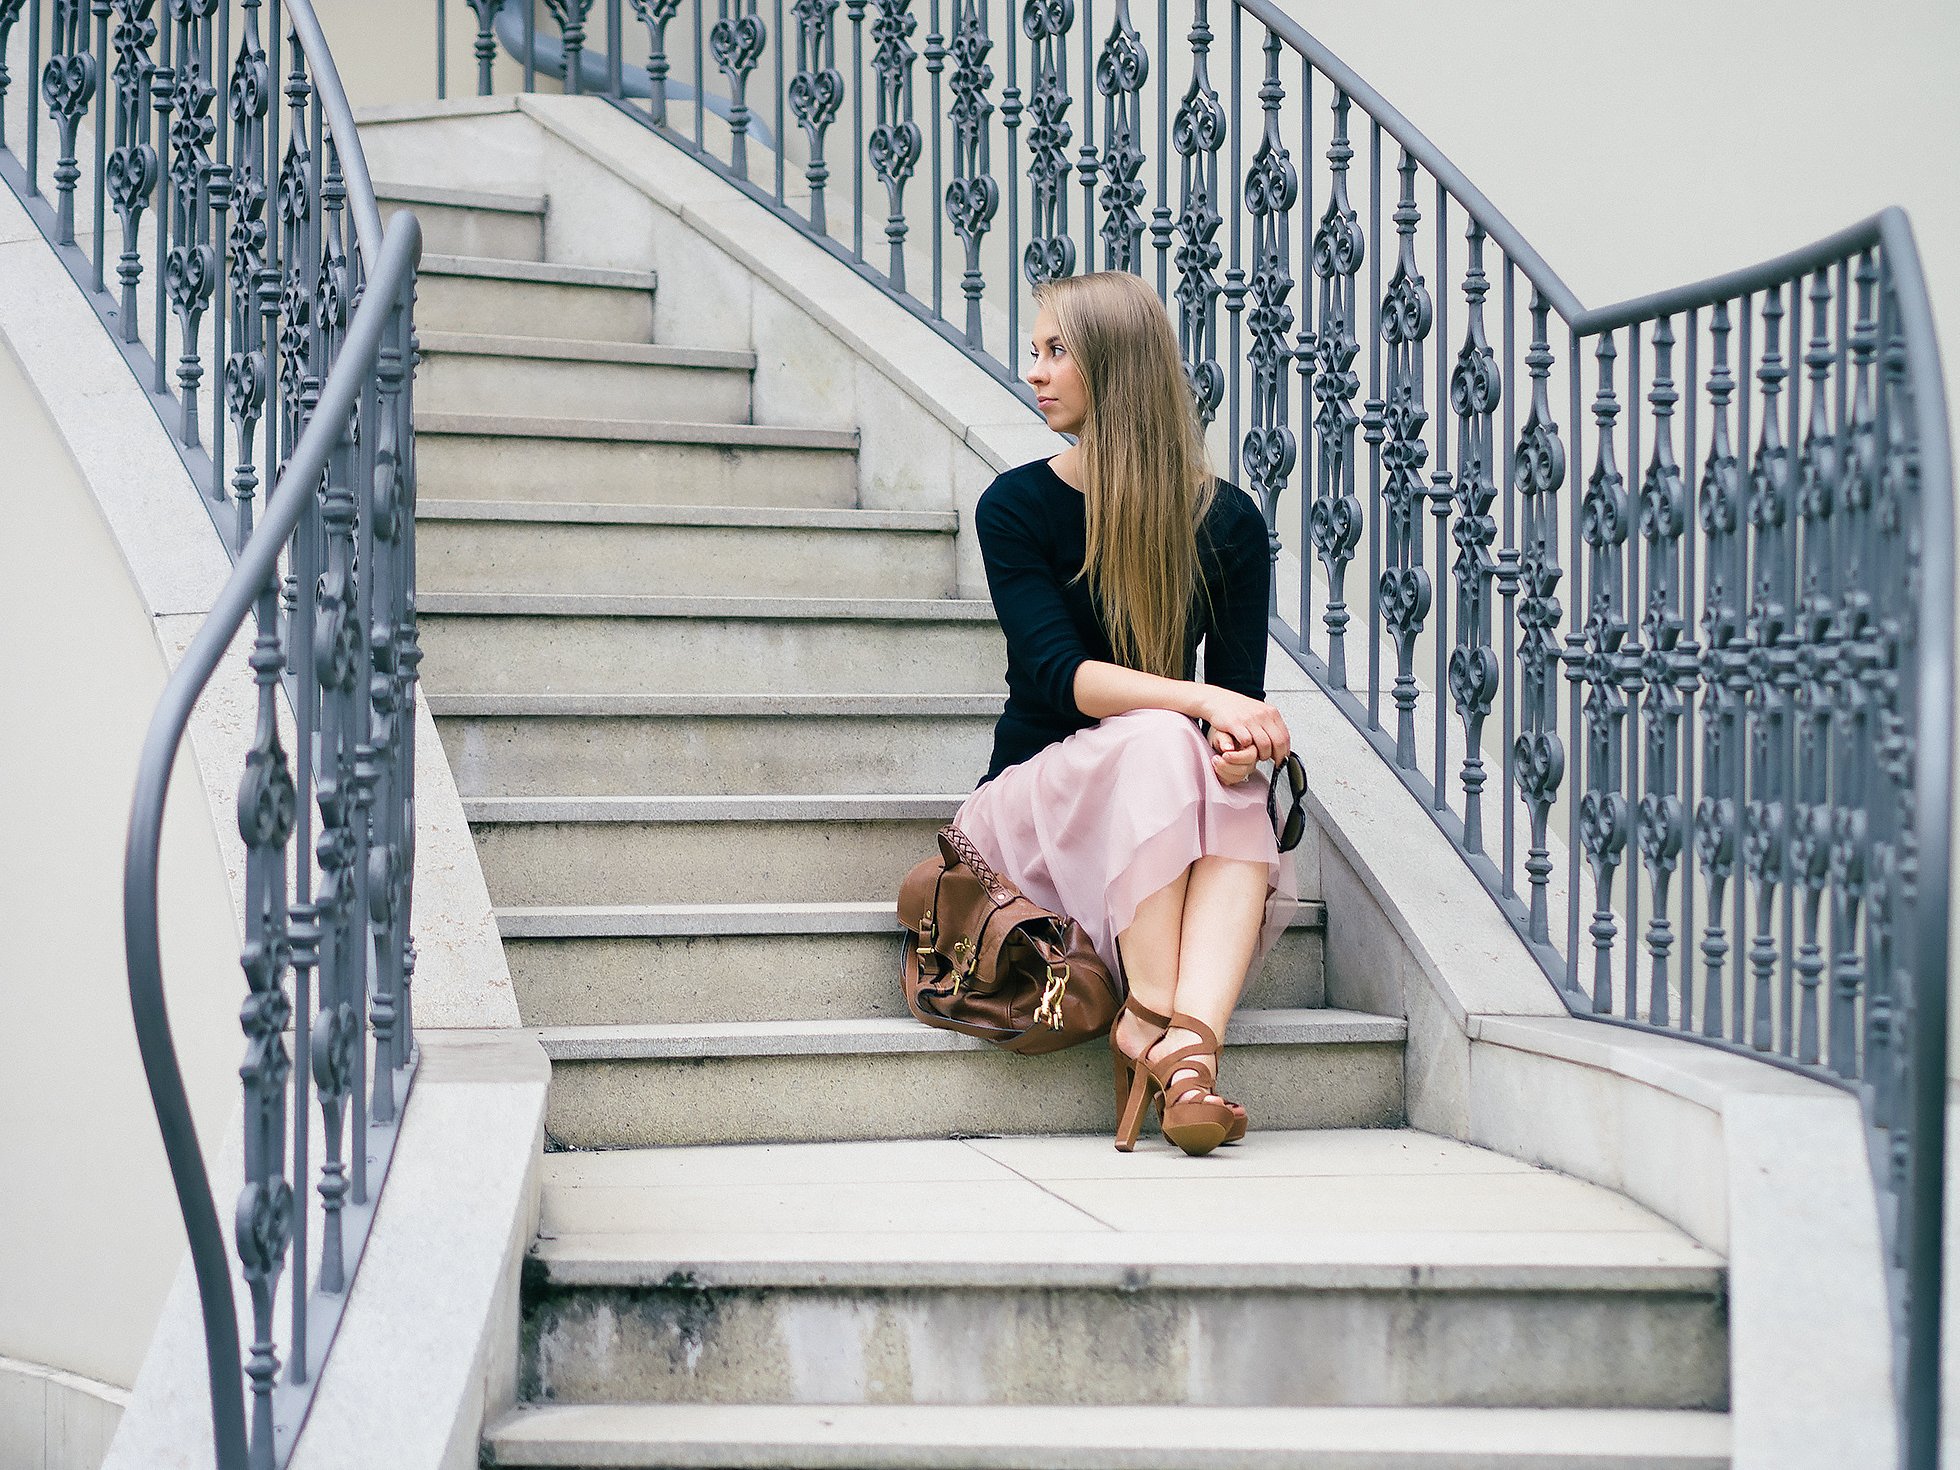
(1252, 724)
(1234, 762)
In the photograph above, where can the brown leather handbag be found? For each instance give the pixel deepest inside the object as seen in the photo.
(986, 960)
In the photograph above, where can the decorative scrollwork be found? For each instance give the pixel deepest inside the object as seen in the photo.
(1598, 659)
(191, 267)
(1121, 70)
(1537, 473)
(654, 15)
(973, 196)
(736, 42)
(1476, 387)
(896, 142)
(1334, 521)
(1723, 681)
(1272, 188)
(131, 172)
(68, 82)
(10, 11)
(1669, 671)
(1198, 133)
(815, 93)
(1050, 254)
(1403, 591)
(1770, 673)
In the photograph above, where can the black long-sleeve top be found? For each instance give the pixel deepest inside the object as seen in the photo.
(1033, 536)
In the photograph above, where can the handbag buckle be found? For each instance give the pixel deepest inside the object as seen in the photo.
(926, 935)
(1049, 1012)
(965, 958)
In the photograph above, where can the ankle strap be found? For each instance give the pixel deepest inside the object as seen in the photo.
(1182, 1022)
(1137, 1007)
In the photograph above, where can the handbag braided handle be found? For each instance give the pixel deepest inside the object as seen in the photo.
(962, 847)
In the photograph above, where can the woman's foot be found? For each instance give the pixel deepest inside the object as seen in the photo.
(1184, 1067)
(1204, 1050)
(1136, 1031)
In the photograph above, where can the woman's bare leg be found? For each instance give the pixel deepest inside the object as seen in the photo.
(1151, 947)
(1224, 906)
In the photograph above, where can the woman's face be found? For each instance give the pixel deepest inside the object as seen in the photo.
(1060, 393)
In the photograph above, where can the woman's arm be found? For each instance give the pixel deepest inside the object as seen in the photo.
(1105, 689)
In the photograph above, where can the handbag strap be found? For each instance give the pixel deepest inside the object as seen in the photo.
(962, 849)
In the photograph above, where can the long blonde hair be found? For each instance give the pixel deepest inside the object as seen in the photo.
(1147, 480)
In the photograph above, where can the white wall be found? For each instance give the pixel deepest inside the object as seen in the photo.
(90, 1236)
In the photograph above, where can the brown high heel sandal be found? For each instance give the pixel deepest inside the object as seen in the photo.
(1133, 1081)
(1130, 1074)
(1186, 1078)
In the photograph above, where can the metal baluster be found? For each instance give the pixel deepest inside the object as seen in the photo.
(1670, 663)
(1764, 833)
(1724, 674)
(531, 44)
(1160, 217)
(615, 60)
(895, 142)
(1819, 668)
(1604, 817)
(1537, 473)
(486, 41)
(266, 1207)
(1442, 499)
(654, 15)
(1476, 386)
(854, 11)
(935, 64)
(1272, 187)
(100, 179)
(9, 16)
(815, 93)
(1235, 271)
(779, 140)
(973, 196)
(1050, 253)
(33, 170)
(1198, 134)
(1403, 590)
(191, 268)
(1010, 119)
(1862, 688)
(1339, 248)
(736, 42)
(1085, 165)
(570, 16)
(67, 86)
(1374, 411)
(1121, 70)
(1509, 583)
(132, 164)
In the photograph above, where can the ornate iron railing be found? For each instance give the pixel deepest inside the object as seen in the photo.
(1658, 628)
(259, 303)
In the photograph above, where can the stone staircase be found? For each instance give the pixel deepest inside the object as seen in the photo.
(703, 711)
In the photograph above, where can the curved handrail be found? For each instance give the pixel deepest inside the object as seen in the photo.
(256, 566)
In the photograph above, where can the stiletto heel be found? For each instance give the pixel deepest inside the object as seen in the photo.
(1191, 1120)
(1134, 1084)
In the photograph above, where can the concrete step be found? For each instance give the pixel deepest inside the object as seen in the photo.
(1091, 1437)
(474, 372)
(483, 546)
(544, 850)
(769, 1081)
(1337, 1268)
(478, 293)
(632, 964)
(470, 221)
(472, 456)
(512, 643)
(701, 745)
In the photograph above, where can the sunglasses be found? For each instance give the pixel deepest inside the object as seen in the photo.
(1293, 828)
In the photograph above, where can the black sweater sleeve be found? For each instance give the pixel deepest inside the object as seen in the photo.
(1235, 631)
(1027, 598)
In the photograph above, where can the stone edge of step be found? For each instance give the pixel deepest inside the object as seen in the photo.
(538, 272)
(1093, 1437)
(582, 350)
(523, 810)
(494, 201)
(713, 706)
(655, 921)
(606, 605)
(635, 431)
(745, 517)
(872, 1035)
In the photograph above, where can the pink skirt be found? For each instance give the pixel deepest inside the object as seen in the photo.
(1095, 824)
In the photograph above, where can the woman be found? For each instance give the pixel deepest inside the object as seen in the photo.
(1109, 565)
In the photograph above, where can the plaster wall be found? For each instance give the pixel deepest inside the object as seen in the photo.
(89, 1230)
